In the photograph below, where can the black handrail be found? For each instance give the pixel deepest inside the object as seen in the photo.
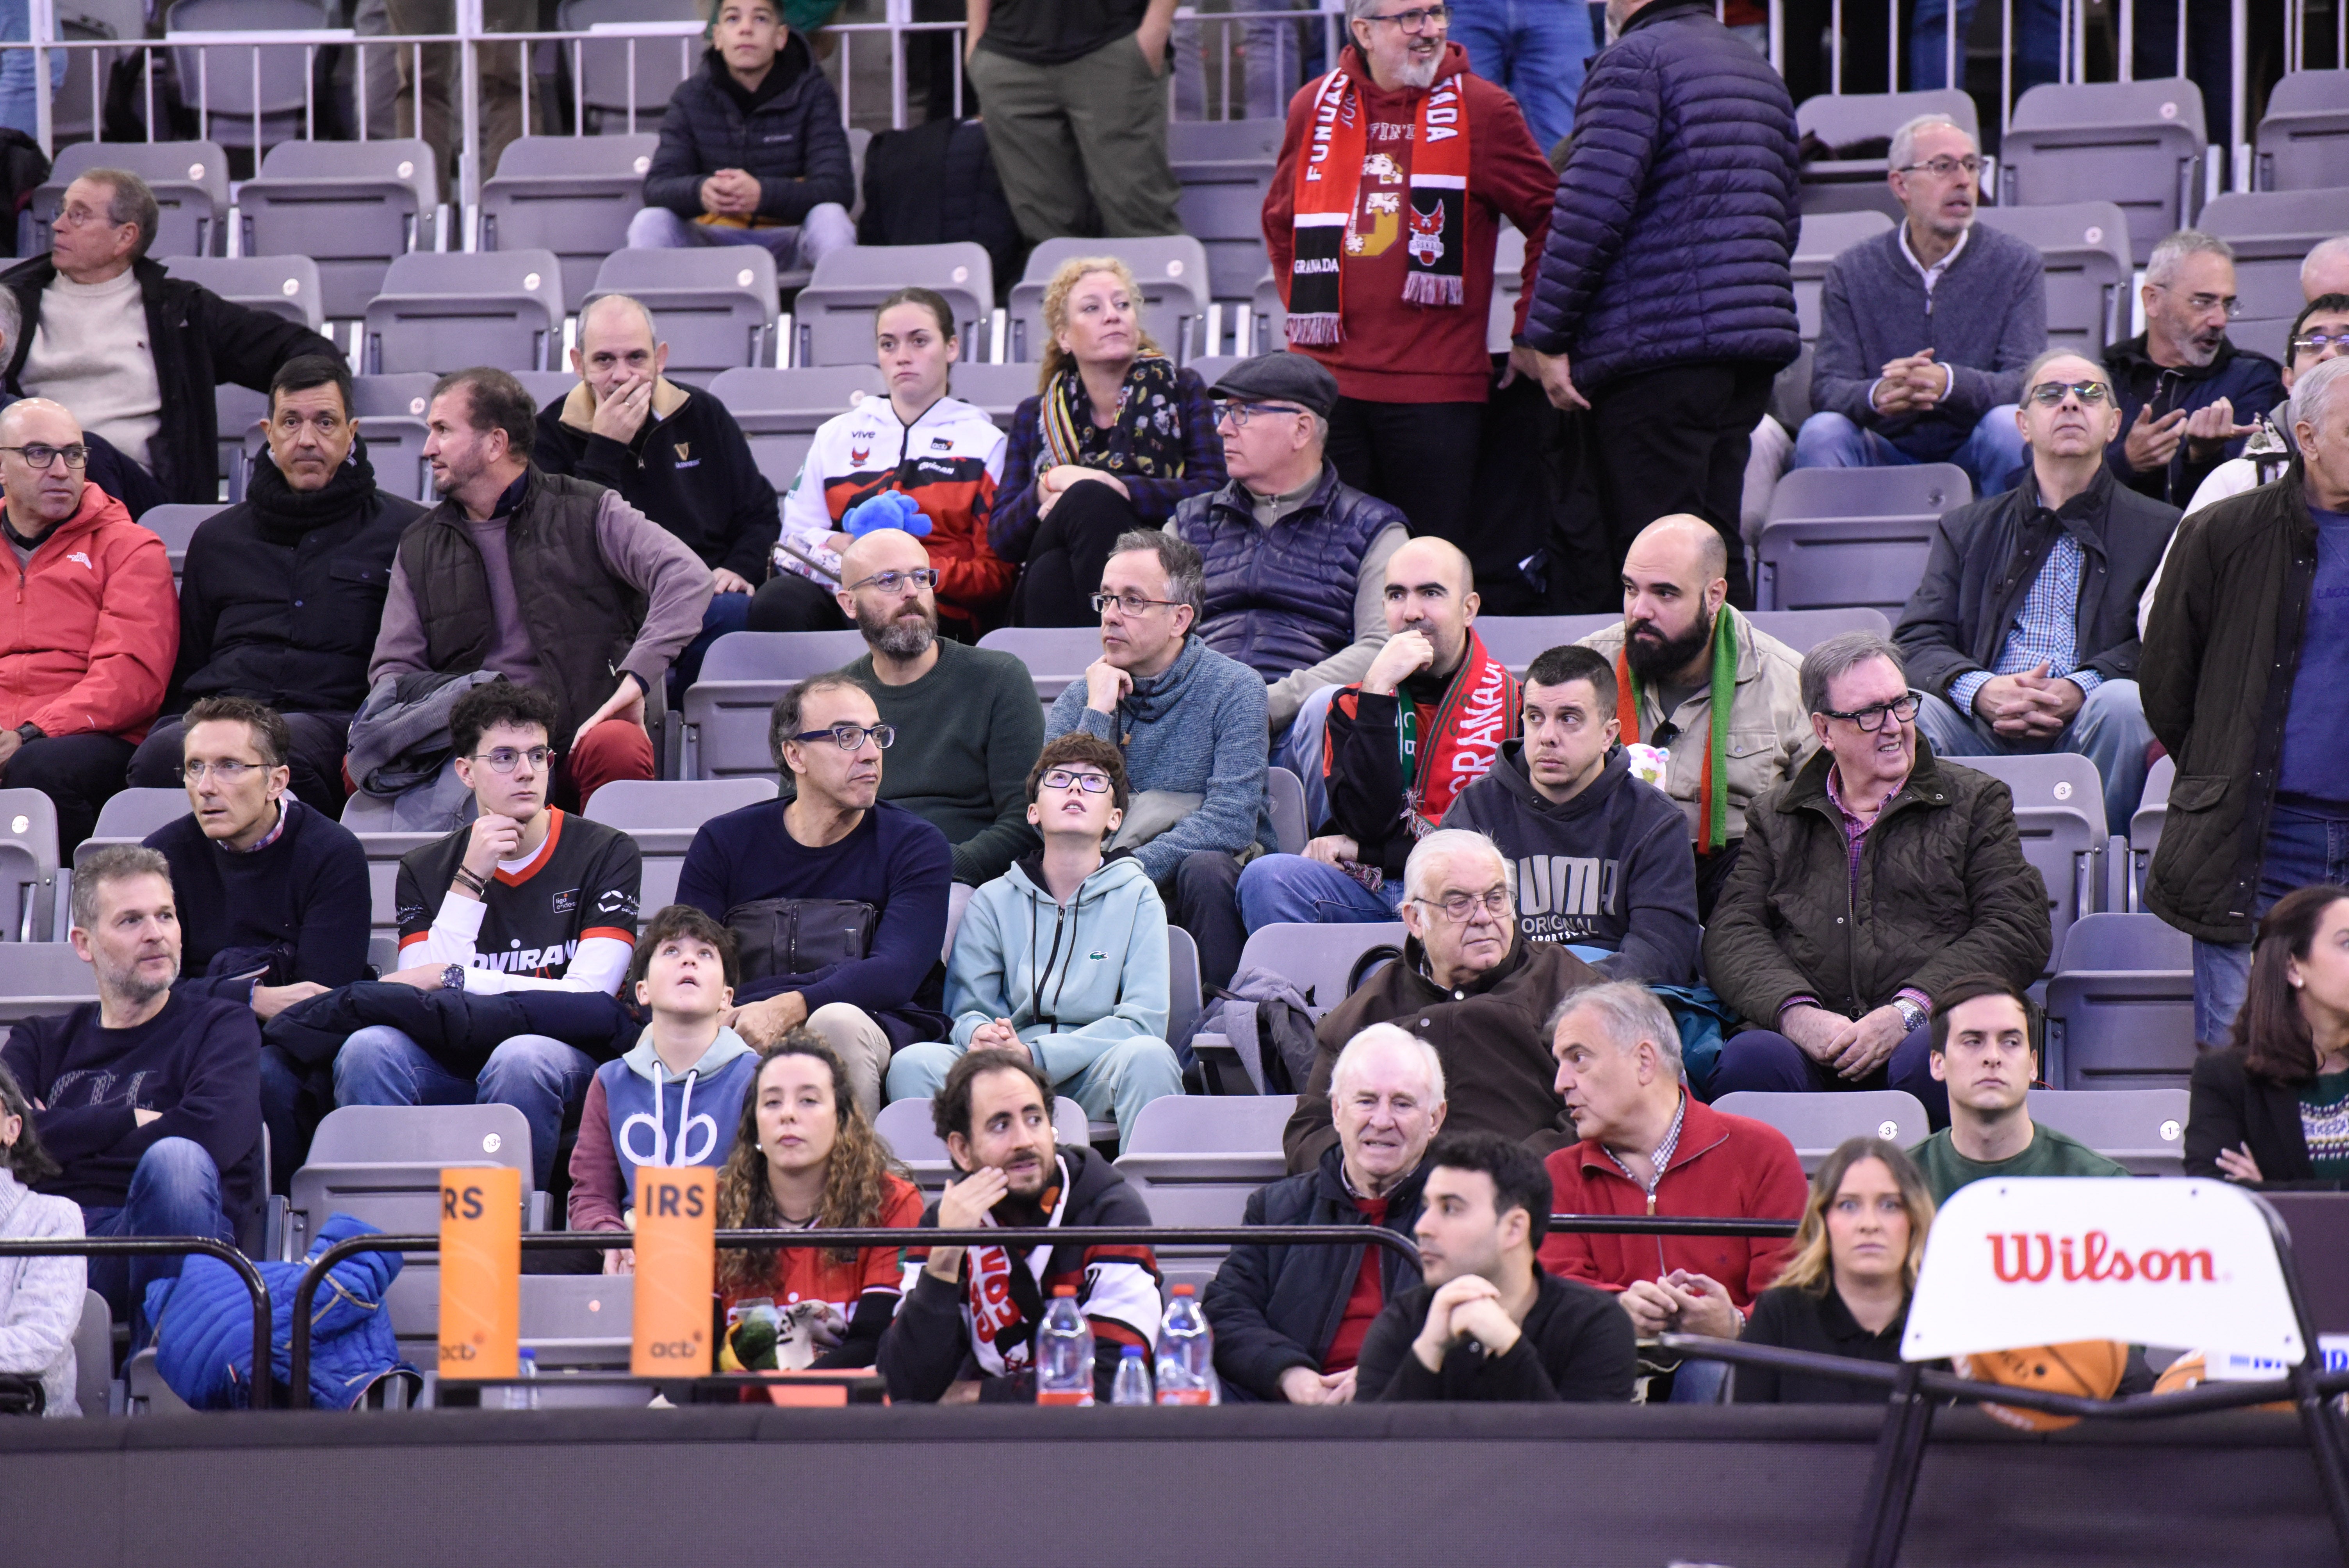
(161, 1246)
(865, 1236)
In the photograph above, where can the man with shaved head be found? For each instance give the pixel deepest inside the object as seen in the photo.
(91, 631)
(2326, 270)
(967, 723)
(673, 452)
(1698, 680)
(1426, 719)
(2021, 635)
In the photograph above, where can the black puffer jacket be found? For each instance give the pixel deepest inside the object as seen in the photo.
(283, 592)
(2221, 648)
(787, 135)
(1673, 238)
(1942, 891)
(1986, 556)
(199, 341)
(1272, 1308)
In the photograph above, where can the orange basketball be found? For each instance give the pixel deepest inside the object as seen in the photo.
(2090, 1368)
(2187, 1370)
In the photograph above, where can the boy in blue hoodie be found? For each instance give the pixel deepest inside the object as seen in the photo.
(1064, 954)
(675, 1098)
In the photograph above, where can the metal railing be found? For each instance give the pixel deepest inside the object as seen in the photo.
(165, 1246)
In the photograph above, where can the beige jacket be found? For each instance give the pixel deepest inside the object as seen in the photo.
(1769, 732)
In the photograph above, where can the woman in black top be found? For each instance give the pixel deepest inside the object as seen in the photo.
(2272, 1108)
(1845, 1291)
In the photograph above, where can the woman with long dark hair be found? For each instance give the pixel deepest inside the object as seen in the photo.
(1845, 1287)
(805, 1159)
(40, 1298)
(2272, 1108)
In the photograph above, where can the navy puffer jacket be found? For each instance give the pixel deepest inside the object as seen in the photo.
(791, 139)
(1673, 236)
(1282, 598)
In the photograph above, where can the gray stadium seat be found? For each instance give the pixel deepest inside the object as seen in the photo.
(1838, 538)
(1518, 640)
(1803, 630)
(2272, 232)
(1224, 168)
(1815, 1123)
(1171, 271)
(93, 1356)
(2145, 827)
(611, 96)
(904, 1127)
(2120, 1007)
(1285, 798)
(2086, 248)
(190, 180)
(996, 390)
(245, 95)
(832, 319)
(573, 195)
(175, 522)
(28, 868)
(545, 385)
(2059, 807)
(130, 815)
(442, 311)
(382, 1163)
(1790, 392)
(2143, 1128)
(2138, 144)
(383, 852)
(37, 978)
(1195, 1160)
(779, 410)
(663, 815)
(1839, 119)
(958, 900)
(1316, 959)
(780, 655)
(1824, 238)
(284, 286)
(1271, 315)
(1509, 286)
(1184, 999)
(725, 728)
(404, 394)
(350, 206)
(715, 307)
(2303, 138)
(1056, 656)
(236, 410)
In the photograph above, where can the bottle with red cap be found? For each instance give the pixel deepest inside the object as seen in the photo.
(1186, 1352)
(1064, 1352)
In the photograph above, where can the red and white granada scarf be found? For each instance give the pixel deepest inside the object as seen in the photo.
(1478, 711)
(1434, 165)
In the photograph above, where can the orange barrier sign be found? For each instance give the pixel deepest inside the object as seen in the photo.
(677, 1270)
(480, 1271)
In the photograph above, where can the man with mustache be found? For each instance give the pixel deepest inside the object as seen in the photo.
(1698, 680)
(969, 714)
(2186, 392)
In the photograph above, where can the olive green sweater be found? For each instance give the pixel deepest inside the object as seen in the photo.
(967, 733)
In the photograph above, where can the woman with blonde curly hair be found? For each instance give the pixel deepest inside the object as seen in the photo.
(805, 1158)
(1115, 437)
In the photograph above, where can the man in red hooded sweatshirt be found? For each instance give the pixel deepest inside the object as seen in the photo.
(88, 637)
(1395, 173)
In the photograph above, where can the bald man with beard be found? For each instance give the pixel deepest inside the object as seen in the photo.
(1681, 646)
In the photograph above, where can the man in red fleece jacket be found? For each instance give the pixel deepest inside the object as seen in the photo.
(88, 637)
(1649, 1147)
(1395, 173)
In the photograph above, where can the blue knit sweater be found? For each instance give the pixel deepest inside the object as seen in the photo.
(1197, 729)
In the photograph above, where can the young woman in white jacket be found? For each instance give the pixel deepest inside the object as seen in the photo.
(40, 1297)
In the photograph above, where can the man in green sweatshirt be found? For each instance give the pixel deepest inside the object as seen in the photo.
(968, 725)
(1982, 1048)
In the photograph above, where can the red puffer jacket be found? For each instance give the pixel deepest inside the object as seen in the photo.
(89, 630)
(1723, 1165)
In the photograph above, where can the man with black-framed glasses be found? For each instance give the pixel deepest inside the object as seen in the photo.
(2022, 634)
(1870, 880)
(837, 897)
(90, 630)
(2186, 390)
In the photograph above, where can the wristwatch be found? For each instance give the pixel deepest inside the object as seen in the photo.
(30, 732)
(1910, 1014)
(452, 978)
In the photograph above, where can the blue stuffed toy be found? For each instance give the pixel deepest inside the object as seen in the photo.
(890, 509)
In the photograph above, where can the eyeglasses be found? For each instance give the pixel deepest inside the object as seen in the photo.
(1091, 783)
(1240, 414)
(1941, 168)
(228, 773)
(2203, 305)
(39, 456)
(1132, 603)
(1419, 19)
(2318, 342)
(1461, 907)
(1871, 719)
(920, 578)
(2047, 393)
(77, 215)
(850, 736)
(506, 758)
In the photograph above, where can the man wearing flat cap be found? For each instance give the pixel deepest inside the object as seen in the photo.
(1296, 561)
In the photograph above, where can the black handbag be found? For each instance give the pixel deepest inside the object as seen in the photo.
(800, 935)
(22, 1394)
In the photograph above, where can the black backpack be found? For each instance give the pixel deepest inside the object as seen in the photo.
(935, 182)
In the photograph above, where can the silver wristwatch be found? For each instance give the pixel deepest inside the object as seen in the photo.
(1910, 1014)
(452, 978)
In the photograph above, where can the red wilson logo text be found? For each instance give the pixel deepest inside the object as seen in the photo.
(2092, 1257)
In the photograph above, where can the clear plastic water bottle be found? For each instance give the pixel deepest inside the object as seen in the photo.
(1132, 1385)
(1064, 1352)
(1186, 1352)
(521, 1395)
